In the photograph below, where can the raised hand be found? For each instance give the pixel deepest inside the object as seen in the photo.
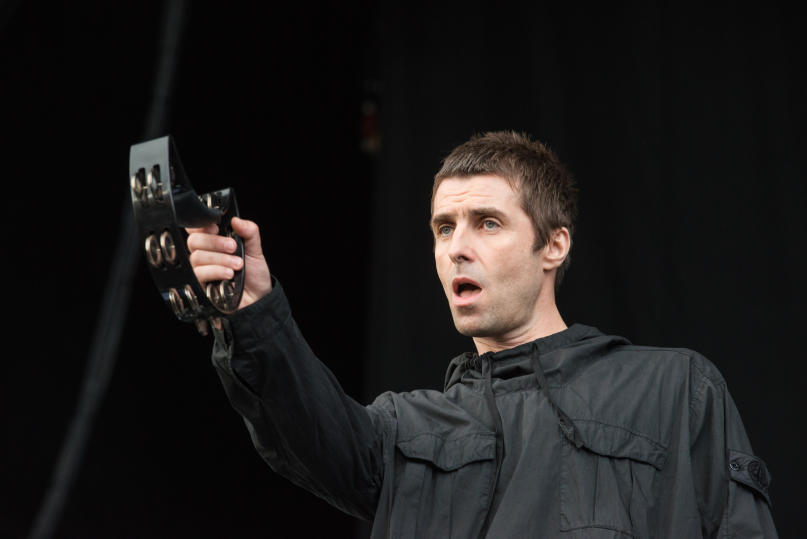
(211, 260)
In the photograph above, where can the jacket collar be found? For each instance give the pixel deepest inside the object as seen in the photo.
(564, 355)
(546, 344)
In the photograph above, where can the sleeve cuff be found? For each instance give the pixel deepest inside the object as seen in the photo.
(265, 317)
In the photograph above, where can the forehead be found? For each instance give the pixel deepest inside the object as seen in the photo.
(489, 189)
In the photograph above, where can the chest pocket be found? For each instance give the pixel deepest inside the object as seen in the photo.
(612, 482)
(442, 485)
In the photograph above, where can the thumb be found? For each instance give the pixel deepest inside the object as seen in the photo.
(249, 233)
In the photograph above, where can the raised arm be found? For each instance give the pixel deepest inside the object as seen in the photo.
(301, 421)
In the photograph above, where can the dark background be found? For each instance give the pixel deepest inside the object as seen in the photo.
(684, 125)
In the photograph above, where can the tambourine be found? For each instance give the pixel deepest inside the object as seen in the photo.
(165, 203)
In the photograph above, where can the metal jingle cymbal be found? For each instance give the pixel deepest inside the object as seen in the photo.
(213, 294)
(153, 252)
(155, 183)
(168, 248)
(138, 185)
(228, 296)
(176, 303)
(192, 299)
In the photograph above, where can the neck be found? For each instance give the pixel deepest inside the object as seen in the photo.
(545, 321)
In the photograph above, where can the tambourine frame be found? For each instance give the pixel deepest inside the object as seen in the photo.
(164, 204)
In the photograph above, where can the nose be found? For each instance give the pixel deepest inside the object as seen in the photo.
(461, 249)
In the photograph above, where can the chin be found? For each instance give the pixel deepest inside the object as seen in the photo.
(472, 321)
(473, 328)
(488, 323)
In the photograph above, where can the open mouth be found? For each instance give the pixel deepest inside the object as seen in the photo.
(465, 290)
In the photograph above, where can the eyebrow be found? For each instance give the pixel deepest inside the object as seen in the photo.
(487, 211)
(479, 211)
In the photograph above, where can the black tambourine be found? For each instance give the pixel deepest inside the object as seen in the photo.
(164, 203)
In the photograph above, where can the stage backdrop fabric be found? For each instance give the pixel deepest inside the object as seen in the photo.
(685, 129)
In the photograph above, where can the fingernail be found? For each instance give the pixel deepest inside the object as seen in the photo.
(230, 245)
(228, 273)
(236, 263)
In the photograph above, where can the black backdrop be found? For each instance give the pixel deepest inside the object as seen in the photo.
(685, 127)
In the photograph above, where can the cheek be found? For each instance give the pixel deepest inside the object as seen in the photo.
(516, 269)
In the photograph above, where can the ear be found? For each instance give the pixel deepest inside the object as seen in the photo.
(556, 250)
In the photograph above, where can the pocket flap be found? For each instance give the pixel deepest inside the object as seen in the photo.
(449, 453)
(613, 441)
(751, 471)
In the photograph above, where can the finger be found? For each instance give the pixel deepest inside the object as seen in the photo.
(205, 274)
(250, 234)
(210, 258)
(209, 229)
(210, 242)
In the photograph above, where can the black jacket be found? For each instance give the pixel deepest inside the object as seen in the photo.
(577, 435)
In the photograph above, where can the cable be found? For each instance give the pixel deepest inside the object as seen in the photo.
(115, 303)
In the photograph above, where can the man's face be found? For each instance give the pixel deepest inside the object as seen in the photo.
(484, 253)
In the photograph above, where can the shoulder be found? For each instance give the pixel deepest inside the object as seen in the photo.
(668, 360)
(680, 373)
(659, 378)
(642, 389)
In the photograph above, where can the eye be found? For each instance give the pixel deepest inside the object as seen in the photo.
(490, 225)
(444, 230)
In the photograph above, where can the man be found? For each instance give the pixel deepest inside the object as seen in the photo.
(546, 431)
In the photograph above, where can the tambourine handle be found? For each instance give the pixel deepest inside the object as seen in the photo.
(164, 205)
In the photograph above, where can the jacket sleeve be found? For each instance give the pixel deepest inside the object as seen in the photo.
(301, 421)
(731, 484)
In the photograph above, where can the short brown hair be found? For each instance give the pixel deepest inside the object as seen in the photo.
(544, 185)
